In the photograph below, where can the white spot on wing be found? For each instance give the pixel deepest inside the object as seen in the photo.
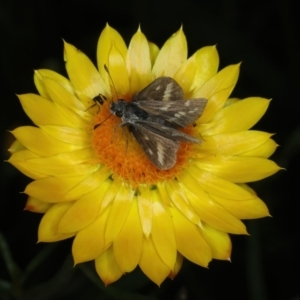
(160, 153)
(168, 91)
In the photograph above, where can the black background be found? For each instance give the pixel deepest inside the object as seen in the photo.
(263, 35)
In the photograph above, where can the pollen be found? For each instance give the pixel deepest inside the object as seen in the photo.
(116, 148)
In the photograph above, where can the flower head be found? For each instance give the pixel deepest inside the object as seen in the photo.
(93, 181)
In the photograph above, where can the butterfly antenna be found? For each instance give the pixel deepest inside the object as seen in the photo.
(112, 82)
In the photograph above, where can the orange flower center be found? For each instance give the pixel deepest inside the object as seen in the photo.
(118, 150)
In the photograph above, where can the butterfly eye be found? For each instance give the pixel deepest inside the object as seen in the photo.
(119, 113)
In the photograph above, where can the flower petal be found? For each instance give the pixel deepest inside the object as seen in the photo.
(48, 226)
(119, 212)
(138, 62)
(37, 141)
(247, 209)
(66, 188)
(93, 236)
(177, 266)
(68, 104)
(116, 65)
(61, 164)
(163, 234)
(107, 267)
(107, 39)
(151, 263)
(19, 160)
(238, 169)
(74, 219)
(218, 241)
(198, 251)
(154, 50)
(186, 74)
(83, 75)
(212, 213)
(265, 150)
(68, 135)
(179, 200)
(127, 246)
(249, 110)
(217, 90)
(195, 178)
(235, 143)
(41, 74)
(37, 206)
(207, 62)
(42, 111)
(145, 209)
(171, 56)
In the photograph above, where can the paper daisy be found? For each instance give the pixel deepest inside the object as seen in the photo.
(95, 182)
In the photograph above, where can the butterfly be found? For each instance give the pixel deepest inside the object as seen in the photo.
(154, 117)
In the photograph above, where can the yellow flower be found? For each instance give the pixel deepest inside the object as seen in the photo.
(98, 186)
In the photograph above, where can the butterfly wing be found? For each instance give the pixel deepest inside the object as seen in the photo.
(161, 89)
(161, 151)
(181, 113)
(168, 132)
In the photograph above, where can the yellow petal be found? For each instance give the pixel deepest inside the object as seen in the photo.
(68, 135)
(265, 150)
(151, 264)
(68, 104)
(171, 56)
(163, 234)
(119, 75)
(41, 74)
(177, 266)
(83, 75)
(19, 160)
(186, 74)
(238, 169)
(66, 188)
(16, 146)
(37, 141)
(218, 241)
(196, 178)
(84, 211)
(189, 240)
(48, 226)
(138, 62)
(235, 143)
(119, 212)
(163, 193)
(107, 267)
(247, 209)
(91, 182)
(214, 214)
(250, 111)
(220, 85)
(154, 50)
(145, 209)
(61, 164)
(89, 242)
(207, 62)
(109, 37)
(37, 206)
(179, 200)
(42, 111)
(127, 246)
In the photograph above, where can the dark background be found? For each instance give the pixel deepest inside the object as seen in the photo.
(263, 35)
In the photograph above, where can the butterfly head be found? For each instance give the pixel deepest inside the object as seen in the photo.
(117, 108)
